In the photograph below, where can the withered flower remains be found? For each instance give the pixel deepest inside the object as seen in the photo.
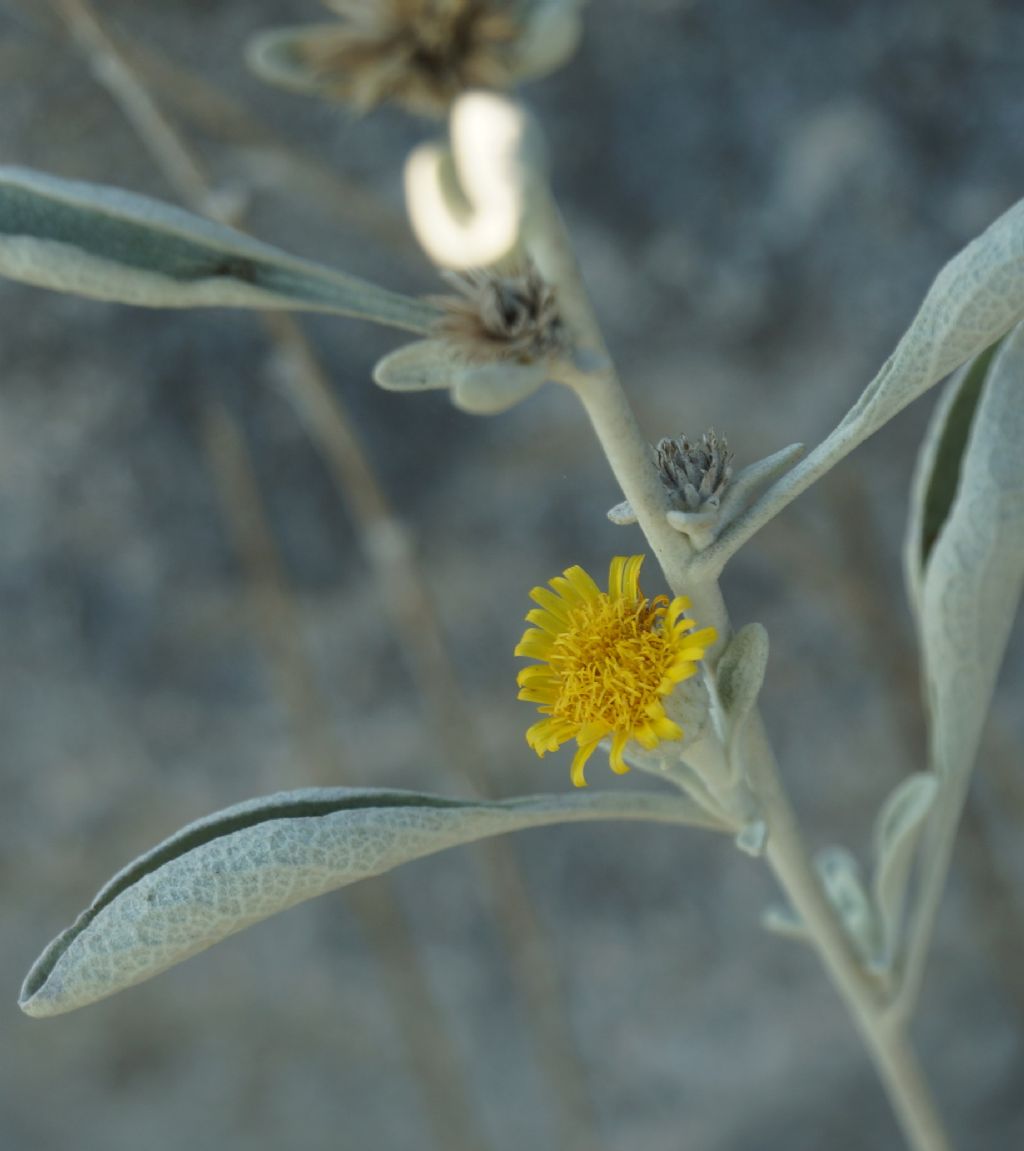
(419, 53)
(510, 315)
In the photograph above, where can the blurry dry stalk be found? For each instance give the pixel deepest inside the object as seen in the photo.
(264, 158)
(377, 913)
(414, 619)
(502, 313)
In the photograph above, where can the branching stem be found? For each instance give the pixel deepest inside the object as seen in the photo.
(631, 461)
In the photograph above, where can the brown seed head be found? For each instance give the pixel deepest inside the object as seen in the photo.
(419, 53)
(502, 315)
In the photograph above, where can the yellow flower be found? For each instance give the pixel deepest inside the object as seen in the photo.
(608, 662)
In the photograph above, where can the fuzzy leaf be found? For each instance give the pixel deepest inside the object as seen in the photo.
(282, 56)
(898, 831)
(840, 876)
(481, 388)
(741, 671)
(970, 577)
(937, 472)
(109, 244)
(974, 301)
(232, 869)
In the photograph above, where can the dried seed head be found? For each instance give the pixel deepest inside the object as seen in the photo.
(502, 315)
(419, 53)
(696, 474)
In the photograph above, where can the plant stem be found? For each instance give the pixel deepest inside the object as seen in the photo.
(630, 459)
(882, 1033)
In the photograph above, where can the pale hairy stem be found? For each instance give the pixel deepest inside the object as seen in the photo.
(883, 1035)
(409, 605)
(631, 461)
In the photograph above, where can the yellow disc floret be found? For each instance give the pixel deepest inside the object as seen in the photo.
(608, 660)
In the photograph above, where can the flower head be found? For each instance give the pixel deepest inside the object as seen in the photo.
(419, 53)
(695, 474)
(608, 663)
(502, 314)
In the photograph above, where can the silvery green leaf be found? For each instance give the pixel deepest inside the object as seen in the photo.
(481, 388)
(232, 869)
(937, 470)
(974, 301)
(897, 832)
(753, 838)
(487, 389)
(972, 548)
(622, 514)
(964, 559)
(109, 244)
(551, 35)
(417, 367)
(840, 876)
(740, 671)
(281, 56)
(748, 481)
(782, 920)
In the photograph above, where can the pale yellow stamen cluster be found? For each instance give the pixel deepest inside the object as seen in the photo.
(608, 661)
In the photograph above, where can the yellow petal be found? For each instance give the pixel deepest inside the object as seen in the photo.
(581, 583)
(579, 761)
(706, 637)
(538, 695)
(631, 577)
(551, 602)
(665, 729)
(535, 644)
(546, 621)
(618, 764)
(615, 577)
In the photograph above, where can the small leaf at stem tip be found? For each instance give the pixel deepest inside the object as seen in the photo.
(840, 875)
(622, 514)
(782, 920)
(740, 672)
(417, 367)
(487, 389)
(232, 869)
(753, 838)
(699, 527)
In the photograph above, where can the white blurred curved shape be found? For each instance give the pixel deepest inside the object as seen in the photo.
(488, 145)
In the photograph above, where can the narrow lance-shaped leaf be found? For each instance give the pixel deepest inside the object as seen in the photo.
(965, 558)
(974, 301)
(965, 569)
(234, 868)
(109, 244)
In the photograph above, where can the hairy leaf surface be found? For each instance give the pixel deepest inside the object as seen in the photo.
(109, 244)
(232, 869)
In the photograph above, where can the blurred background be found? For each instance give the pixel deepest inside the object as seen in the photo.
(193, 611)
